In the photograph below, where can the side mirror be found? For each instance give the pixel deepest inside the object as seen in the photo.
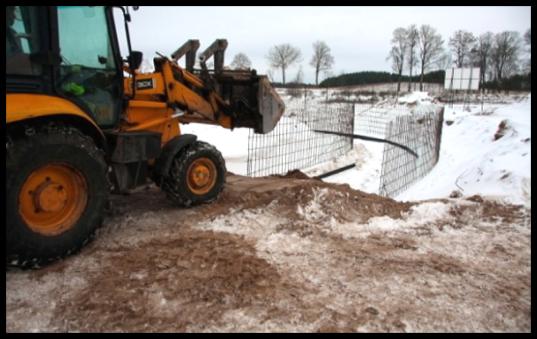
(135, 59)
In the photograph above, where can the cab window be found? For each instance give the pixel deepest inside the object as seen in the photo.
(84, 38)
(22, 40)
(88, 72)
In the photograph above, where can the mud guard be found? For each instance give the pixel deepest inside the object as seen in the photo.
(164, 161)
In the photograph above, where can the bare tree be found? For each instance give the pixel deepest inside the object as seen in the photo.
(504, 55)
(321, 60)
(443, 61)
(430, 49)
(398, 52)
(412, 43)
(527, 41)
(328, 73)
(241, 61)
(299, 76)
(481, 53)
(294, 86)
(461, 44)
(282, 56)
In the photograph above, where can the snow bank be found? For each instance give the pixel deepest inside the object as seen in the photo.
(476, 159)
(415, 97)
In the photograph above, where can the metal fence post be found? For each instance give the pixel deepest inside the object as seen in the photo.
(352, 122)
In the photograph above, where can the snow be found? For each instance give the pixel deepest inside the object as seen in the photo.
(365, 176)
(313, 210)
(471, 161)
(419, 215)
(416, 97)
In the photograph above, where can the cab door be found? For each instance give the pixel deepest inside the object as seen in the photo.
(28, 69)
(90, 68)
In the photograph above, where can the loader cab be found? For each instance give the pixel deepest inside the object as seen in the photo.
(66, 51)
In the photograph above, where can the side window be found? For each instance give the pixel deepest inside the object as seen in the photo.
(84, 39)
(22, 40)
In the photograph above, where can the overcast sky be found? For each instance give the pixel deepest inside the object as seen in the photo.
(359, 37)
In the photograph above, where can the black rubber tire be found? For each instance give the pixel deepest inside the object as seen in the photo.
(52, 144)
(175, 183)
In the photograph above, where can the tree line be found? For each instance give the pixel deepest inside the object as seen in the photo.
(420, 52)
(369, 77)
(499, 56)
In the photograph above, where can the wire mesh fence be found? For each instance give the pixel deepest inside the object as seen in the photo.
(420, 130)
(372, 120)
(293, 144)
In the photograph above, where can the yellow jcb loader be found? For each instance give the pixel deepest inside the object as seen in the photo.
(81, 122)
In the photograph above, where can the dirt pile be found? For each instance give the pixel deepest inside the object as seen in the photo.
(336, 200)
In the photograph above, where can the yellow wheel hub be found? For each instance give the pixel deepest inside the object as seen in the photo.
(53, 198)
(201, 176)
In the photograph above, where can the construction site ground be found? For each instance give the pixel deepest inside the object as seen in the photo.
(287, 254)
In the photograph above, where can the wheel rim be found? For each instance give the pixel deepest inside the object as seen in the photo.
(53, 198)
(201, 176)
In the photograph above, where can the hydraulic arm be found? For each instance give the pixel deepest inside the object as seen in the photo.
(230, 98)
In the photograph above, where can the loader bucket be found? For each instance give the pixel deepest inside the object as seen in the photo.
(254, 101)
(271, 106)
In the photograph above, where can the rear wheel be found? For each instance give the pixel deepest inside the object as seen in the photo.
(197, 175)
(56, 191)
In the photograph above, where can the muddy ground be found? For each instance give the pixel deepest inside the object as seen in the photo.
(285, 255)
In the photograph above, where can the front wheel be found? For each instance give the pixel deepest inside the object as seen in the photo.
(56, 190)
(197, 175)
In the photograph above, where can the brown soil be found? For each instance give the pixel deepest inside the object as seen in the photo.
(282, 255)
(294, 174)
